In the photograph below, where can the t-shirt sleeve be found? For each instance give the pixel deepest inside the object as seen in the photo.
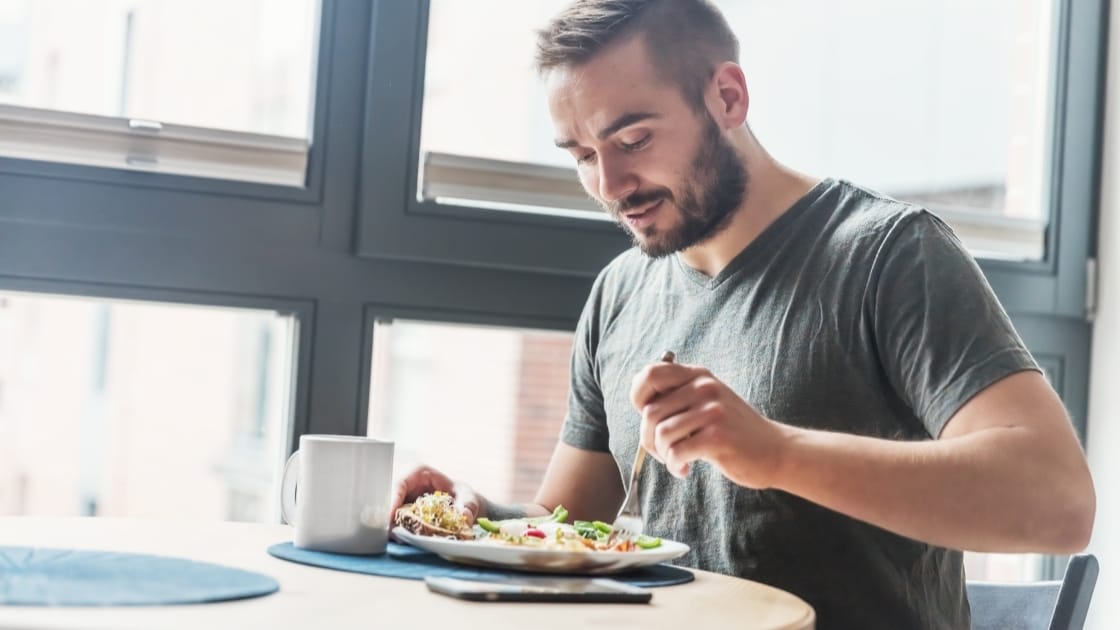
(585, 424)
(942, 335)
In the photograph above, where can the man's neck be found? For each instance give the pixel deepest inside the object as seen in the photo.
(771, 189)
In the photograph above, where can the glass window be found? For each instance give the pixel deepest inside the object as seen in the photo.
(1003, 567)
(216, 80)
(144, 59)
(483, 404)
(130, 409)
(943, 103)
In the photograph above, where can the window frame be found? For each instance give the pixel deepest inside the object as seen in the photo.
(1049, 300)
(394, 224)
(1057, 284)
(117, 234)
(354, 244)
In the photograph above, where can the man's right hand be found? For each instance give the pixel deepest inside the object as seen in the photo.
(425, 479)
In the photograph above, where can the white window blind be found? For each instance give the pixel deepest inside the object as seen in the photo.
(105, 141)
(545, 189)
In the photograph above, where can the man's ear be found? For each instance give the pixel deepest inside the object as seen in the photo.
(729, 99)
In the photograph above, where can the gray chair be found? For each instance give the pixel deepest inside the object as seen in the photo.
(1050, 605)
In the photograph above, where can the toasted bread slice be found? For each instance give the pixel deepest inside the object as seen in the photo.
(407, 518)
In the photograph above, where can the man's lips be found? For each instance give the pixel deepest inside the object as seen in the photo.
(643, 216)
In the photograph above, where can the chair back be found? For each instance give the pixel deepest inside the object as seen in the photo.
(1048, 605)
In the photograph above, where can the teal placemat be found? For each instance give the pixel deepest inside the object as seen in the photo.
(410, 563)
(31, 576)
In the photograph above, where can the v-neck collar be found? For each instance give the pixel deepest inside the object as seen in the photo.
(755, 251)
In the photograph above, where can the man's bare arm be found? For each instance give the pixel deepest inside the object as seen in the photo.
(1006, 474)
(586, 483)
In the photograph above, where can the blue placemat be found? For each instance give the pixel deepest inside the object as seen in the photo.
(31, 576)
(410, 563)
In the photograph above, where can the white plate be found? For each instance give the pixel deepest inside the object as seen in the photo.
(494, 554)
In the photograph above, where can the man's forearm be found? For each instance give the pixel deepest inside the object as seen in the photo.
(998, 490)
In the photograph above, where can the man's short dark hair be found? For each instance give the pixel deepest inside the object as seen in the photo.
(686, 39)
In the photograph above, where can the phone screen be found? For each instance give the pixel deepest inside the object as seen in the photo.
(540, 589)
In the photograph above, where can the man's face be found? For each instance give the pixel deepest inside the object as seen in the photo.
(663, 170)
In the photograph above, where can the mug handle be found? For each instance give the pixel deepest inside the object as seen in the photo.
(288, 489)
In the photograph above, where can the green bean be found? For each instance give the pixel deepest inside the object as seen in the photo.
(560, 514)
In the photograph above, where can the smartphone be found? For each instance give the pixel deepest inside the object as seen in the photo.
(540, 589)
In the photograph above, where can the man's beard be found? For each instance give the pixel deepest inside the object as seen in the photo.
(709, 197)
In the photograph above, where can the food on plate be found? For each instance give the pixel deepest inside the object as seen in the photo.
(435, 514)
(555, 534)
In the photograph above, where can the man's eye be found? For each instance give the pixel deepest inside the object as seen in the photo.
(585, 158)
(634, 146)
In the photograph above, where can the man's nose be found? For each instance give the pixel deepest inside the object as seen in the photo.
(616, 182)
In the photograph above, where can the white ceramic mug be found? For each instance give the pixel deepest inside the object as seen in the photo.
(343, 483)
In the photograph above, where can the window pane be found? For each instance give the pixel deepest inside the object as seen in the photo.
(495, 397)
(131, 409)
(1000, 567)
(240, 65)
(943, 103)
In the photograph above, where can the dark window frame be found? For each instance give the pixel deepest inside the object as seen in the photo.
(355, 244)
(1046, 299)
(393, 223)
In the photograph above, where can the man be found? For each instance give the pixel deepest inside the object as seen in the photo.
(850, 405)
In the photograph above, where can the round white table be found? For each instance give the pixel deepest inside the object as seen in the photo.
(312, 597)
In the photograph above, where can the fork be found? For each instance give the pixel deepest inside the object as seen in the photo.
(629, 523)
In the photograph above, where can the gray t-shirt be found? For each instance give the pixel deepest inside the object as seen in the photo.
(852, 312)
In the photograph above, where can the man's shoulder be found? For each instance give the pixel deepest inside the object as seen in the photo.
(870, 211)
(863, 217)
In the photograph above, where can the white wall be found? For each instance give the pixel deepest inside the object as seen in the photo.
(1104, 395)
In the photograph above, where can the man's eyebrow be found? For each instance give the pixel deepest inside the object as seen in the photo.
(624, 121)
(621, 122)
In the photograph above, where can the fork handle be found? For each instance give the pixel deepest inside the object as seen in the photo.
(636, 469)
(640, 455)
